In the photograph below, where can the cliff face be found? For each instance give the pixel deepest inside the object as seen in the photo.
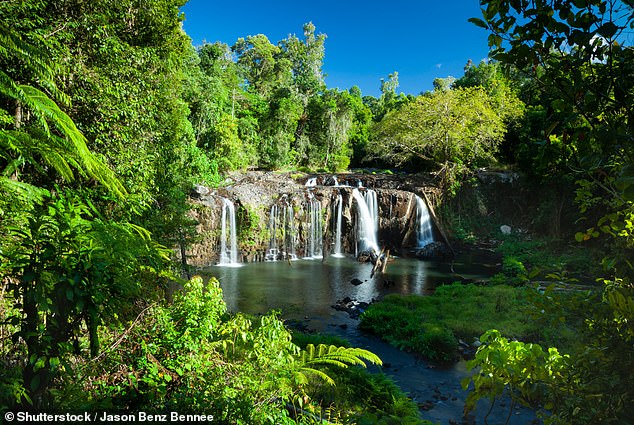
(281, 216)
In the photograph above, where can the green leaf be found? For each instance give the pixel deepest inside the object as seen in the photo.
(608, 29)
(478, 22)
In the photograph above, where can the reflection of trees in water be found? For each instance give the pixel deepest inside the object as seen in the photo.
(310, 287)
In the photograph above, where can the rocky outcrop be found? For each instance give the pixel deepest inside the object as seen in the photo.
(273, 212)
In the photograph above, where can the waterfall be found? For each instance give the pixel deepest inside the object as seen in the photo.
(228, 238)
(289, 232)
(338, 216)
(373, 206)
(311, 182)
(282, 229)
(424, 232)
(366, 225)
(314, 238)
(273, 252)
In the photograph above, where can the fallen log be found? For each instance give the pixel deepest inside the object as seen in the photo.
(378, 262)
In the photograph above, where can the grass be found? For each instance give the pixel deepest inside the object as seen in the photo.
(549, 255)
(432, 325)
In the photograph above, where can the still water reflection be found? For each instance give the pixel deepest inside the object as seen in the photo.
(308, 288)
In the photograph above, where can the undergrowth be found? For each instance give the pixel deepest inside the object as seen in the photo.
(432, 325)
(368, 398)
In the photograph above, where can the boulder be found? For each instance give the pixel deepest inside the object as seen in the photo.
(433, 251)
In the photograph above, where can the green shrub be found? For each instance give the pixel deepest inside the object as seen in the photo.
(436, 342)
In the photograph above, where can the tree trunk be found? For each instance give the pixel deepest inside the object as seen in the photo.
(18, 115)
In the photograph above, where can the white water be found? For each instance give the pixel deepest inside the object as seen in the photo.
(424, 233)
(373, 206)
(337, 252)
(228, 238)
(314, 237)
(282, 229)
(366, 238)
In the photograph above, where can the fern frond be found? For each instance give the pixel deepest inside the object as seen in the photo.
(13, 48)
(301, 376)
(23, 190)
(60, 152)
(330, 355)
(338, 356)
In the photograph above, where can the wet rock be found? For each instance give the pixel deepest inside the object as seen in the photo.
(434, 250)
(354, 308)
(367, 257)
(356, 282)
(426, 405)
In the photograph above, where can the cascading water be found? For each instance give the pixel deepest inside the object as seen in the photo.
(424, 234)
(273, 252)
(314, 237)
(228, 238)
(366, 238)
(373, 206)
(289, 232)
(282, 230)
(338, 215)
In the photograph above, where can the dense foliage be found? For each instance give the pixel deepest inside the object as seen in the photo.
(108, 116)
(577, 58)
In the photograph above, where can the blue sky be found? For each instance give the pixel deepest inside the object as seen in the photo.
(366, 40)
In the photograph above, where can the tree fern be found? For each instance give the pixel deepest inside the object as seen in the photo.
(331, 355)
(55, 139)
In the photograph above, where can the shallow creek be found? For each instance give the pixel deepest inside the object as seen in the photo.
(305, 290)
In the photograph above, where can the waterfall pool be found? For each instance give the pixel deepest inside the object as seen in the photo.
(308, 288)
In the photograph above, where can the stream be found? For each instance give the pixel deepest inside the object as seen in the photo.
(305, 290)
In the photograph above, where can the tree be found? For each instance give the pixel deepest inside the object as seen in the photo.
(490, 76)
(331, 120)
(306, 58)
(388, 100)
(448, 129)
(578, 55)
(262, 64)
(49, 134)
(360, 131)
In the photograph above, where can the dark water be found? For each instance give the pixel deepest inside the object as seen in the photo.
(310, 287)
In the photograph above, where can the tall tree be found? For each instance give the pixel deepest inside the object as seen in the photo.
(449, 129)
(306, 59)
